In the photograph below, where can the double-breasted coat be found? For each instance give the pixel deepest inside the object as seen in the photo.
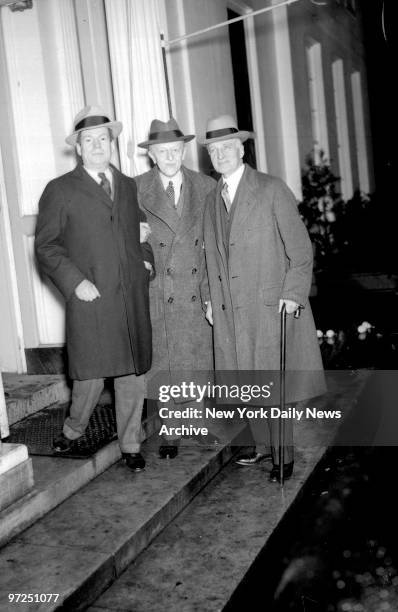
(269, 258)
(82, 234)
(182, 338)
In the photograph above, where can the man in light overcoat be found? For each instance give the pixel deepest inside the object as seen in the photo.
(259, 256)
(173, 199)
(88, 243)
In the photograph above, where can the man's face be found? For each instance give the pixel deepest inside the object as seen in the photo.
(95, 148)
(226, 155)
(168, 156)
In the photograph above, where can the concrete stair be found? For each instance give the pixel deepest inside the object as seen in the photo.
(85, 543)
(27, 394)
(55, 479)
(79, 548)
(200, 558)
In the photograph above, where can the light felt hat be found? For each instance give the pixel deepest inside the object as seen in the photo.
(92, 117)
(224, 127)
(161, 132)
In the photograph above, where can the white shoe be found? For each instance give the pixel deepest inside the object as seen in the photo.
(252, 458)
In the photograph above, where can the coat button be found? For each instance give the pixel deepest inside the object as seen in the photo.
(170, 300)
(194, 270)
(162, 244)
(222, 306)
(196, 241)
(193, 298)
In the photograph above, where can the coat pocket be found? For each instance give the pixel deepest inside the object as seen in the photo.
(272, 295)
(262, 227)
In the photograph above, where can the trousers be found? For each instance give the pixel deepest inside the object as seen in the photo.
(129, 401)
(266, 435)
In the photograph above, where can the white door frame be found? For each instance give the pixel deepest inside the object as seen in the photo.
(15, 359)
(4, 430)
(254, 80)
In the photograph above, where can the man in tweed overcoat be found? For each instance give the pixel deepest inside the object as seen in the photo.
(173, 199)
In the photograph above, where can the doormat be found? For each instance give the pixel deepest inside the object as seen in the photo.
(38, 431)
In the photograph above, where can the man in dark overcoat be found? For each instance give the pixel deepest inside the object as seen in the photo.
(173, 199)
(88, 243)
(259, 256)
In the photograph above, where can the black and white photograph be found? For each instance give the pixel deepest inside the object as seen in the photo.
(198, 306)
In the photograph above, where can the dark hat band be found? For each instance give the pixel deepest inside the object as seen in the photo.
(168, 134)
(222, 132)
(88, 122)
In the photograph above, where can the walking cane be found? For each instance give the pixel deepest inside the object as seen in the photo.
(282, 389)
(282, 371)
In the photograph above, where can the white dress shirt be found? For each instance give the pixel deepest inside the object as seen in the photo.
(233, 181)
(94, 175)
(177, 183)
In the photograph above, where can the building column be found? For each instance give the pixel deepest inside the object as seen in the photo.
(284, 74)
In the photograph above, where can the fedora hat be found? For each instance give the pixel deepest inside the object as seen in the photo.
(164, 131)
(224, 127)
(92, 117)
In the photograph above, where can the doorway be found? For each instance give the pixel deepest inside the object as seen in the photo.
(240, 72)
(250, 87)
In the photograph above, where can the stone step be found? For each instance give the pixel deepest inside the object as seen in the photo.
(200, 558)
(16, 473)
(198, 561)
(56, 479)
(79, 548)
(26, 394)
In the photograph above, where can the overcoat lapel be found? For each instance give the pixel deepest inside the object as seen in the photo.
(218, 227)
(90, 186)
(244, 206)
(155, 200)
(190, 209)
(117, 188)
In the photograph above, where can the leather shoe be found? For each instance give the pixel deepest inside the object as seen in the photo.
(168, 451)
(135, 461)
(252, 458)
(287, 472)
(62, 444)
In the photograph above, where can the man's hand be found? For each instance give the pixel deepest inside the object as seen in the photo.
(209, 313)
(148, 266)
(87, 291)
(291, 306)
(145, 230)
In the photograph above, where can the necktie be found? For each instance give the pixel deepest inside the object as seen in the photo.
(225, 197)
(171, 193)
(105, 184)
